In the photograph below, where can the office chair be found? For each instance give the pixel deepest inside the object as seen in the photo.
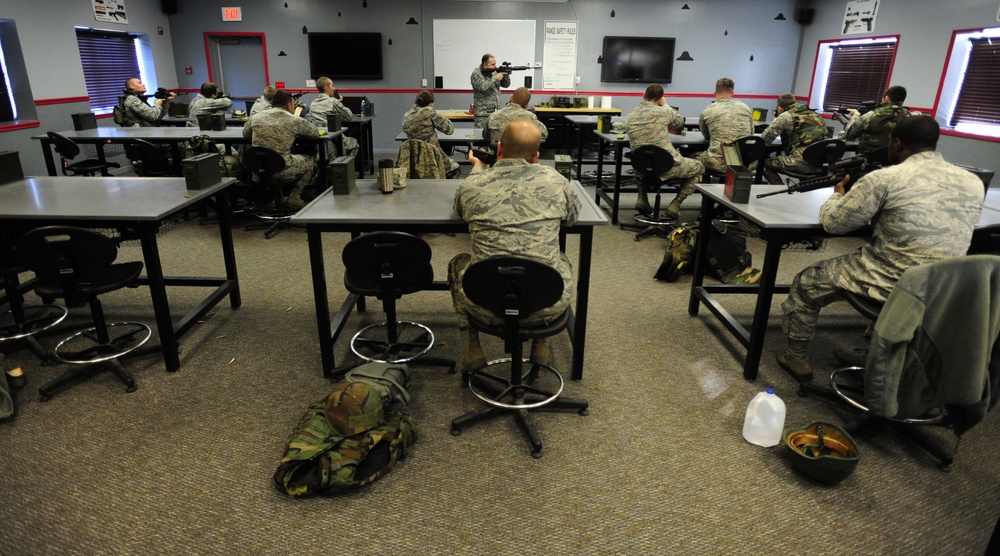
(649, 163)
(147, 159)
(68, 150)
(20, 323)
(177, 109)
(264, 165)
(424, 160)
(934, 357)
(516, 287)
(387, 266)
(77, 265)
(819, 155)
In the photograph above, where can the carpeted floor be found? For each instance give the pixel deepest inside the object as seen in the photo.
(184, 464)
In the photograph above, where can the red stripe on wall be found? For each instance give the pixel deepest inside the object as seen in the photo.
(22, 125)
(66, 100)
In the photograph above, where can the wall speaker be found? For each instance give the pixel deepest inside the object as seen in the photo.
(804, 16)
(438, 82)
(169, 6)
(527, 81)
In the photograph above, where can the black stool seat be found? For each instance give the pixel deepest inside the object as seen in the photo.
(820, 155)
(649, 163)
(263, 164)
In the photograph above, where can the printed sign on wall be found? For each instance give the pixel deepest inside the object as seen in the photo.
(559, 55)
(859, 17)
(110, 10)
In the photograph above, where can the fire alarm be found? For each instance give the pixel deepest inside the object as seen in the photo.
(159, 30)
(280, 84)
(188, 70)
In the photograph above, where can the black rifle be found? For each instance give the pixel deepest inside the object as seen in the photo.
(160, 93)
(856, 166)
(505, 68)
(841, 113)
(486, 157)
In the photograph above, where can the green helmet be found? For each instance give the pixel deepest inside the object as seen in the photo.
(353, 408)
(822, 451)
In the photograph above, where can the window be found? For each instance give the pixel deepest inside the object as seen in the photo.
(17, 106)
(967, 99)
(109, 59)
(851, 72)
(7, 113)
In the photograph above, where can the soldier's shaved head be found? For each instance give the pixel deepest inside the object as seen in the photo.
(520, 139)
(521, 97)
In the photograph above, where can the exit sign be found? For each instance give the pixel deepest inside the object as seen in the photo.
(232, 14)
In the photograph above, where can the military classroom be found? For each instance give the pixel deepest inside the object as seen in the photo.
(185, 464)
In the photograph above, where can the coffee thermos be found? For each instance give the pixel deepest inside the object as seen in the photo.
(385, 167)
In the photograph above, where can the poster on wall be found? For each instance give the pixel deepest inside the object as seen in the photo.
(110, 10)
(559, 55)
(859, 17)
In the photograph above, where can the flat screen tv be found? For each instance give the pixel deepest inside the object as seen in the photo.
(345, 55)
(637, 60)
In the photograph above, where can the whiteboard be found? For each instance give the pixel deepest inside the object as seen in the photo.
(459, 45)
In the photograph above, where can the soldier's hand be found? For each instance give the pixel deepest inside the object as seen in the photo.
(853, 112)
(158, 102)
(842, 186)
(500, 75)
(475, 161)
(172, 96)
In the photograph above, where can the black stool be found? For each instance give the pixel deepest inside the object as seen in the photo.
(650, 162)
(515, 287)
(263, 164)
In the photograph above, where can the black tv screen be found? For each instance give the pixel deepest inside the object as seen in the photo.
(345, 55)
(637, 60)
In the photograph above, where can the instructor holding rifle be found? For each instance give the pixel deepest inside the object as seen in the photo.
(486, 83)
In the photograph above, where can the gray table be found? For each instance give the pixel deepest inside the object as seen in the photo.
(776, 220)
(173, 136)
(583, 125)
(425, 206)
(464, 134)
(140, 204)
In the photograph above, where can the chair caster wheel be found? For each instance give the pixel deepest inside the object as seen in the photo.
(583, 412)
(638, 239)
(453, 369)
(131, 389)
(45, 398)
(537, 455)
(456, 432)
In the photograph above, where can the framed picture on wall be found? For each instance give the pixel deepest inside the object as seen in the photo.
(110, 10)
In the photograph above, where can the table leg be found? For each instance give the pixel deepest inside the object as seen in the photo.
(315, 239)
(579, 335)
(761, 313)
(579, 151)
(158, 292)
(700, 253)
(228, 252)
(619, 151)
(600, 171)
(50, 163)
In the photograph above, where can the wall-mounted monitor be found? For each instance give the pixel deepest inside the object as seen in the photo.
(345, 55)
(637, 60)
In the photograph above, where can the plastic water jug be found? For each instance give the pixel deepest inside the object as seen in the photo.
(765, 419)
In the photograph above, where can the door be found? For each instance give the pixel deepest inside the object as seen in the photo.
(237, 63)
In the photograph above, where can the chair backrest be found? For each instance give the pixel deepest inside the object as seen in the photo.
(64, 145)
(147, 159)
(423, 160)
(176, 108)
(651, 162)
(752, 149)
(262, 162)
(935, 342)
(65, 257)
(822, 154)
(387, 264)
(512, 287)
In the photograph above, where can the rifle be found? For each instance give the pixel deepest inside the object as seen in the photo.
(486, 157)
(505, 68)
(841, 113)
(160, 93)
(856, 166)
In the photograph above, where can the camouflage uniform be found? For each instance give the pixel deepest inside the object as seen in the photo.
(922, 210)
(514, 208)
(324, 105)
(486, 94)
(802, 127)
(725, 120)
(277, 130)
(260, 105)
(649, 124)
(874, 126)
(201, 104)
(499, 120)
(140, 112)
(421, 123)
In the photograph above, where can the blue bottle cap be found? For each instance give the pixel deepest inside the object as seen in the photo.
(769, 390)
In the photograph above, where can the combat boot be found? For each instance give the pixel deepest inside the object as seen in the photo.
(793, 358)
(674, 210)
(540, 352)
(642, 205)
(474, 358)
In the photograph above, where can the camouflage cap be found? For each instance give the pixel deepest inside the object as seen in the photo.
(354, 408)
